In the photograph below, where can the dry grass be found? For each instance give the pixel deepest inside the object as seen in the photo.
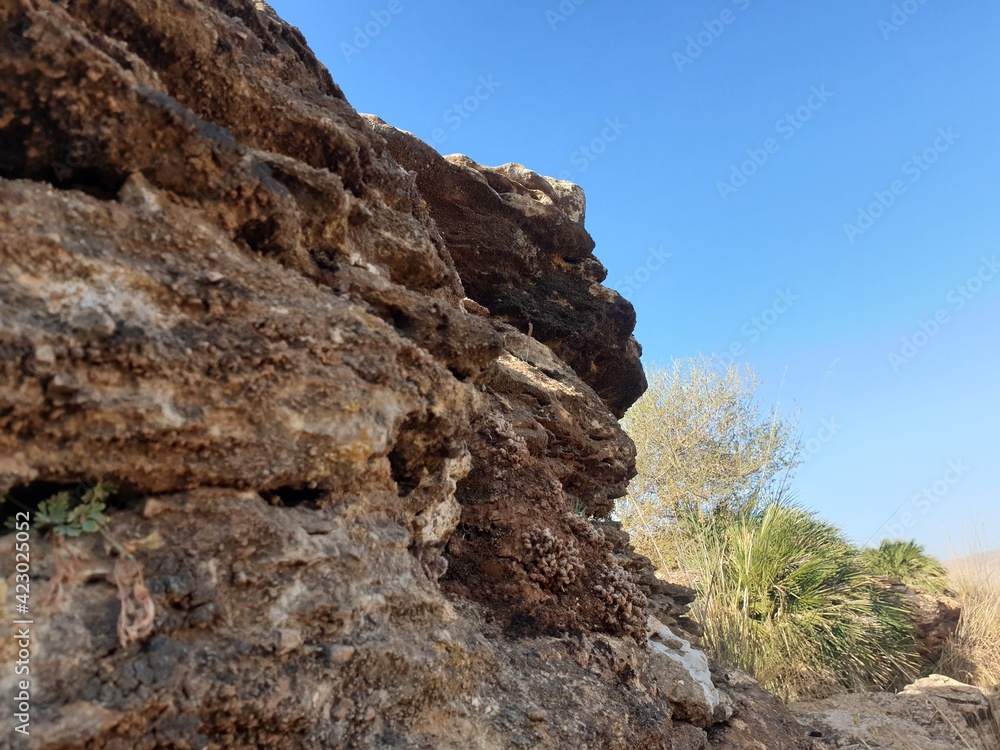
(973, 655)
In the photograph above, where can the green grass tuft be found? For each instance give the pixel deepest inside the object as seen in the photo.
(785, 597)
(907, 562)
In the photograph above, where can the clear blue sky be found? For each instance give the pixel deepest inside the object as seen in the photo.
(740, 137)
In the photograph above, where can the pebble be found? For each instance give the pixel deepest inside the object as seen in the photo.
(339, 654)
(45, 354)
(289, 639)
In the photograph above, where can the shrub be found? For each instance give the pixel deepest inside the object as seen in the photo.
(907, 562)
(704, 444)
(782, 594)
(785, 597)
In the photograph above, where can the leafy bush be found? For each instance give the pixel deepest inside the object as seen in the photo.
(704, 444)
(782, 594)
(907, 562)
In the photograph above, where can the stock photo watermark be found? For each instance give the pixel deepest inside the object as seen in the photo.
(922, 501)
(957, 298)
(456, 115)
(656, 258)
(915, 167)
(77, 155)
(786, 126)
(364, 34)
(713, 29)
(589, 152)
(759, 324)
(901, 14)
(754, 328)
(22, 622)
(828, 430)
(562, 12)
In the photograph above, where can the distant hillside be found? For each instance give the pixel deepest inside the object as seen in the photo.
(984, 560)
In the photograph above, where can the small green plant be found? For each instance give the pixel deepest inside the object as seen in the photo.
(74, 513)
(907, 562)
(579, 508)
(68, 515)
(71, 513)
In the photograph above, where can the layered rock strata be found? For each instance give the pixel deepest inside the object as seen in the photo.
(366, 396)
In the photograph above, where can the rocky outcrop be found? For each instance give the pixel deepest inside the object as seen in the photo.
(535, 238)
(934, 713)
(365, 395)
(935, 619)
(935, 616)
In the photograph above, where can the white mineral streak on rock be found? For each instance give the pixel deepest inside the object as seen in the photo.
(704, 704)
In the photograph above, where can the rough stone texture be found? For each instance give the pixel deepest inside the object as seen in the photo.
(935, 618)
(369, 411)
(536, 238)
(934, 713)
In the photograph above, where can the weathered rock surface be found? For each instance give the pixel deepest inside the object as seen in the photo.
(535, 239)
(934, 713)
(369, 409)
(935, 619)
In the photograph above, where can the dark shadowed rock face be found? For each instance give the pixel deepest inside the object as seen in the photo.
(365, 395)
(519, 245)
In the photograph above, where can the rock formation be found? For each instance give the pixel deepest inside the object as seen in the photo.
(365, 395)
(935, 618)
(934, 713)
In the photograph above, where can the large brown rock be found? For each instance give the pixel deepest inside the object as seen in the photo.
(383, 507)
(935, 617)
(514, 233)
(935, 620)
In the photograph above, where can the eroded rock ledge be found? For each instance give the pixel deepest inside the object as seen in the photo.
(366, 395)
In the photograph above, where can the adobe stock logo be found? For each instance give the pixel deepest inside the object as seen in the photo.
(921, 502)
(562, 13)
(655, 260)
(588, 153)
(713, 29)
(914, 168)
(459, 112)
(363, 35)
(901, 14)
(828, 431)
(957, 298)
(758, 325)
(786, 126)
